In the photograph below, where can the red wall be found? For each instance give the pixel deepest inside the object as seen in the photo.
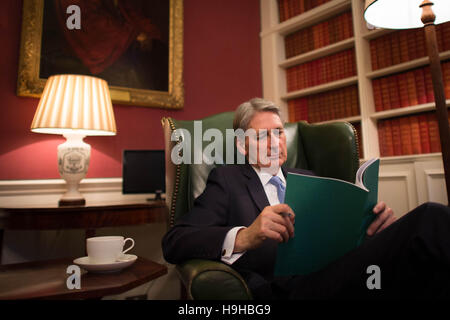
(222, 68)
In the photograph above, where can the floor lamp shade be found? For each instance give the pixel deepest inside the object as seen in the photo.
(402, 14)
(74, 106)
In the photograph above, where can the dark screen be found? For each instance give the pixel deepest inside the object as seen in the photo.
(143, 171)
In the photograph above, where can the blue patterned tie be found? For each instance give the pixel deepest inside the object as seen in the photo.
(281, 189)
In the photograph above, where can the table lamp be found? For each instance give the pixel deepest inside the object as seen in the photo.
(408, 14)
(74, 106)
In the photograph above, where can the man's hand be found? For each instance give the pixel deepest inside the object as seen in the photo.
(274, 222)
(385, 217)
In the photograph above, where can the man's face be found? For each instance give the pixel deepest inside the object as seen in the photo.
(270, 141)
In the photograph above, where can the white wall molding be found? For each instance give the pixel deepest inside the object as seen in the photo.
(435, 184)
(404, 198)
(43, 192)
(49, 186)
(412, 158)
(430, 181)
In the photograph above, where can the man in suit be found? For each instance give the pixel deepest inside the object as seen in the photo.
(240, 219)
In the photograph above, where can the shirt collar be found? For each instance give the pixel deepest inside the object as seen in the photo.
(265, 176)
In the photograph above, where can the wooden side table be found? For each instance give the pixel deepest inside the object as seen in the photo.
(47, 280)
(89, 217)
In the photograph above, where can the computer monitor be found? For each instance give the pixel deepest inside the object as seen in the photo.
(143, 171)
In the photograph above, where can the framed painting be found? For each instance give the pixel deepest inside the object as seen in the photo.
(135, 45)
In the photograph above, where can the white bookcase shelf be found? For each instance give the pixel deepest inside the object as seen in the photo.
(405, 181)
(275, 64)
(405, 111)
(321, 88)
(421, 62)
(318, 53)
(304, 20)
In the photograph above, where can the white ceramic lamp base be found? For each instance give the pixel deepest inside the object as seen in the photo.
(73, 162)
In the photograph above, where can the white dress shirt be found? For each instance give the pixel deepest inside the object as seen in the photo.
(228, 256)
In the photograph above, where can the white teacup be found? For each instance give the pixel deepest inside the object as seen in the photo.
(106, 249)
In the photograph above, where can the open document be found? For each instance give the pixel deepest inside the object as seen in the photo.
(331, 218)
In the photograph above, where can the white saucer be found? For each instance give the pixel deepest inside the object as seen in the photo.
(124, 261)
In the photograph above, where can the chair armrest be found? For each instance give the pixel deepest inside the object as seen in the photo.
(212, 280)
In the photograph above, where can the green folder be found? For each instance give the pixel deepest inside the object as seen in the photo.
(331, 218)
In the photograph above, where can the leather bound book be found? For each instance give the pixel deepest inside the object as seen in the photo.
(415, 134)
(440, 40)
(290, 78)
(296, 8)
(303, 108)
(394, 95)
(350, 23)
(428, 84)
(347, 22)
(289, 46)
(376, 86)
(291, 111)
(300, 77)
(420, 86)
(387, 47)
(281, 4)
(412, 93)
(446, 76)
(289, 9)
(396, 136)
(403, 89)
(382, 137)
(446, 36)
(373, 54)
(325, 33)
(316, 36)
(385, 97)
(420, 41)
(389, 142)
(433, 130)
(395, 46)
(412, 45)
(404, 51)
(347, 93)
(381, 53)
(355, 101)
(424, 134)
(405, 134)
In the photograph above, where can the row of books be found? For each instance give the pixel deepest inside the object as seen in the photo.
(330, 105)
(327, 69)
(405, 45)
(291, 8)
(320, 35)
(408, 88)
(413, 134)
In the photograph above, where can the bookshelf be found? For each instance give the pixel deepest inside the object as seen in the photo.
(384, 62)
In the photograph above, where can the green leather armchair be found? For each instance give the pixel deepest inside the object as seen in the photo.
(327, 149)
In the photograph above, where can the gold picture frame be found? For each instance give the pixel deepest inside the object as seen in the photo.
(29, 83)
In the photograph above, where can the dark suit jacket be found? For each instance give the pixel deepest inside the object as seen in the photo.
(234, 196)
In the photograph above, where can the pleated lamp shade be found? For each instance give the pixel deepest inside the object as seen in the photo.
(403, 14)
(75, 104)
